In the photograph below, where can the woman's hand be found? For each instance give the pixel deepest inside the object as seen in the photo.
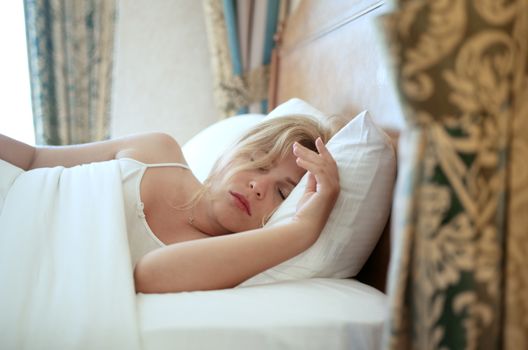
(322, 188)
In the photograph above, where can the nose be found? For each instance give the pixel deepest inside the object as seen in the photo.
(258, 187)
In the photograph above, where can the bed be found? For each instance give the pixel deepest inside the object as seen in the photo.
(329, 57)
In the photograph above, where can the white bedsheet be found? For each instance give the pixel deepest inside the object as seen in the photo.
(64, 260)
(308, 314)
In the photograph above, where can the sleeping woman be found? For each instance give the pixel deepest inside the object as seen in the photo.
(169, 212)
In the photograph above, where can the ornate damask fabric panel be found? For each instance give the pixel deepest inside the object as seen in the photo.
(70, 49)
(459, 272)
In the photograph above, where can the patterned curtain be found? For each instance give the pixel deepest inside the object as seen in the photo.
(240, 34)
(70, 50)
(459, 271)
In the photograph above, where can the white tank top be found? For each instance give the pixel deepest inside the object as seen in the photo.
(141, 239)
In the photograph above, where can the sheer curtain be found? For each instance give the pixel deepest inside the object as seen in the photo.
(240, 34)
(70, 53)
(459, 272)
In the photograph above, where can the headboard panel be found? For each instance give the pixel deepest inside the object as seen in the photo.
(330, 54)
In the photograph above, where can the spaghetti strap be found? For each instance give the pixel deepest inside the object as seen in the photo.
(159, 165)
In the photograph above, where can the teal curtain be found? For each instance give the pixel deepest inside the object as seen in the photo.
(70, 51)
(241, 40)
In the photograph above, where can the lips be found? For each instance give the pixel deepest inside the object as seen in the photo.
(241, 202)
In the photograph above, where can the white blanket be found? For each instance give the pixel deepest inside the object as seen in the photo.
(65, 272)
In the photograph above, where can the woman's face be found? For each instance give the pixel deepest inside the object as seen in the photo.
(244, 200)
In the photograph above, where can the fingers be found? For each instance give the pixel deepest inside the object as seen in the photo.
(307, 157)
(321, 148)
(321, 165)
(305, 153)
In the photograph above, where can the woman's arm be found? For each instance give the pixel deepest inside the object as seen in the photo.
(226, 261)
(218, 262)
(152, 147)
(16, 152)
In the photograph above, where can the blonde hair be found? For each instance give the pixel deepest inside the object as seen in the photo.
(274, 139)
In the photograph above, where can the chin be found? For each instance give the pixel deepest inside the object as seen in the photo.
(232, 220)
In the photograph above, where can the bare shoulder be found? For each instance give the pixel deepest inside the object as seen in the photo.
(156, 147)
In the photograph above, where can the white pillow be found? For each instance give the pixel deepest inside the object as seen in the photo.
(203, 149)
(297, 106)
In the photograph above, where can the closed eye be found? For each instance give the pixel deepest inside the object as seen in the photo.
(285, 188)
(284, 191)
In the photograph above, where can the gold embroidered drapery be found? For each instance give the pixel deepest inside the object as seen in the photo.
(459, 268)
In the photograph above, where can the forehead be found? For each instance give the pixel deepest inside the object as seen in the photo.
(288, 166)
(285, 168)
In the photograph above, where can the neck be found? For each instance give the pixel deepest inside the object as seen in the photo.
(202, 217)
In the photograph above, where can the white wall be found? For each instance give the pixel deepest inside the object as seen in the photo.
(162, 71)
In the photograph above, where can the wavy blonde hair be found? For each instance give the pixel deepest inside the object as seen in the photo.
(273, 139)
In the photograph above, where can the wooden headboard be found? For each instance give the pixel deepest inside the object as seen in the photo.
(330, 54)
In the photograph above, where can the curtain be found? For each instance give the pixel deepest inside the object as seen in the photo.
(240, 34)
(458, 275)
(70, 51)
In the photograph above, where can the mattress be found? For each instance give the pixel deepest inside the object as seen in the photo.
(306, 314)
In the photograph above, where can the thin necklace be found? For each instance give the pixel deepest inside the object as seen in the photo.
(190, 218)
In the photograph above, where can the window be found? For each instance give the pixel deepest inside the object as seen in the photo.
(16, 118)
